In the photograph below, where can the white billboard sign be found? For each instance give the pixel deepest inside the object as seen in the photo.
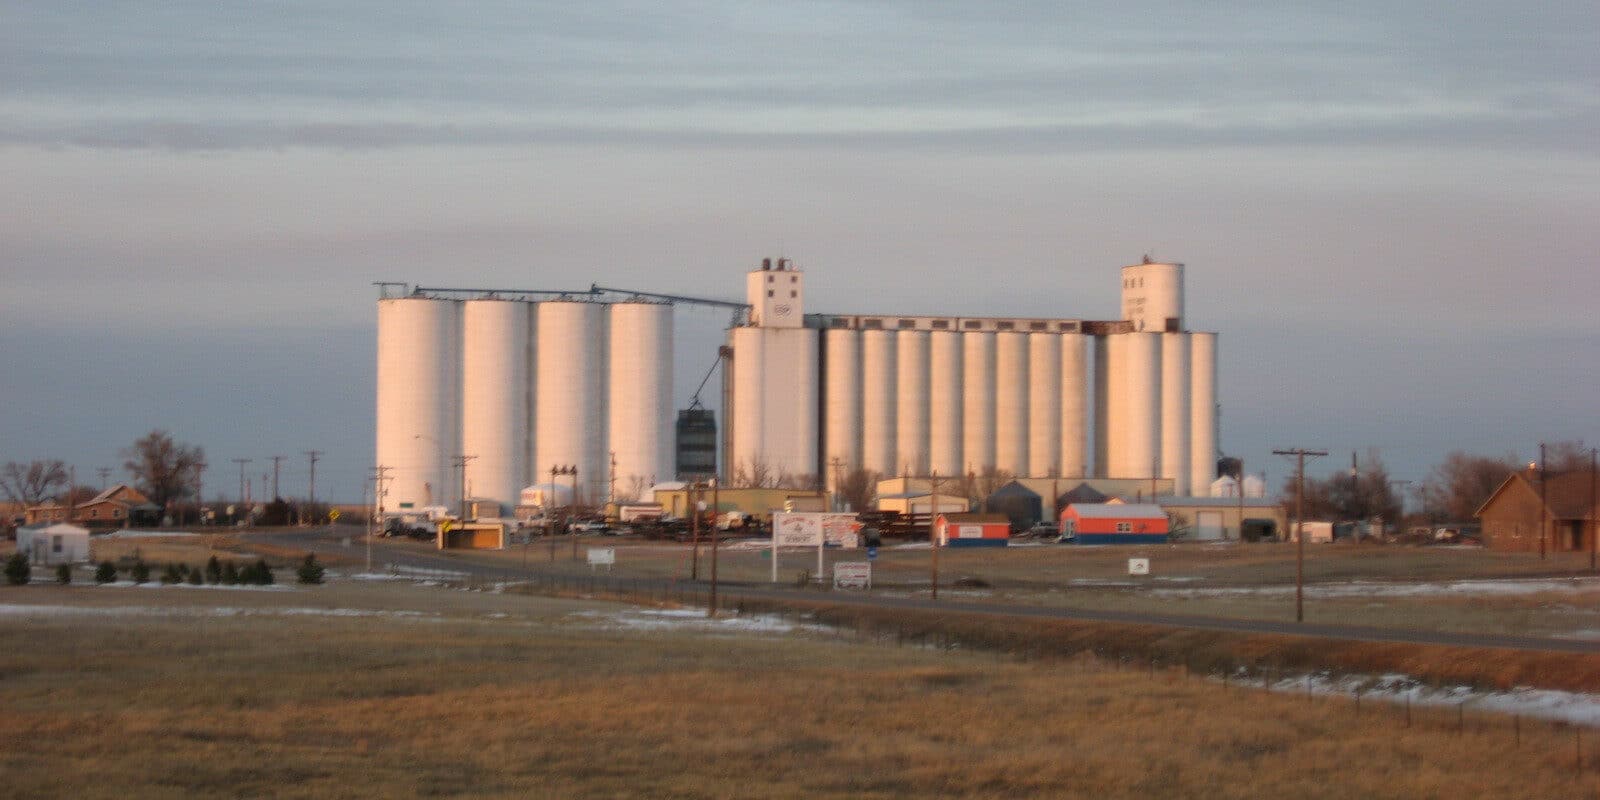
(852, 575)
(602, 556)
(796, 529)
(1138, 566)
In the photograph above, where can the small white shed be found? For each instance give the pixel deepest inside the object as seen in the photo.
(52, 543)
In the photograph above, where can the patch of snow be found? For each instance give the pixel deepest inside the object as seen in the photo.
(1571, 707)
(1464, 588)
(687, 619)
(129, 534)
(22, 610)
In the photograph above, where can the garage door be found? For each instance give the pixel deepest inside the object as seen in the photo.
(1208, 525)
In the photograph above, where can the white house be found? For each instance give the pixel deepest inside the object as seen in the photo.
(52, 543)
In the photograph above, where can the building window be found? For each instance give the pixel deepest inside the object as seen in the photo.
(873, 324)
(1037, 326)
(794, 279)
(55, 544)
(972, 325)
(116, 513)
(793, 293)
(1069, 327)
(1124, 527)
(769, 292)
(1004, 326)
(907, 323)
(769, 279)
(94, 513)
(941, 324)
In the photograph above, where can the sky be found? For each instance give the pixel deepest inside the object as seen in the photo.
(1391, 214)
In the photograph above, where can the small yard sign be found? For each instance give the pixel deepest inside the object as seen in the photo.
(1138, 566)
(852, 575)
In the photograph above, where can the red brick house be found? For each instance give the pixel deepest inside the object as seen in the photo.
(1511, 516)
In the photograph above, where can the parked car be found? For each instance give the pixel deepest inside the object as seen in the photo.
(589, 526)
(1041, 530)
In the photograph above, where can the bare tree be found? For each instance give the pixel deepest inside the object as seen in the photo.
(637, 486)
(1455, 488)
(858, 488)
(162, 468)
(989, 480)
(32, 483)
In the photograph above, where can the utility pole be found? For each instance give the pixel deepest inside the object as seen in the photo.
(838, 483)
(380, 474)
(313, 455)
(612, 496)
(199, 496)
(933, 538)
(1594, 532)
(694, 530)
(1300, 454)
(105, 472)
(241, 462)
(1544, 507)
(712, 610)
(461, 464)
(1240, 493)
(276, 460)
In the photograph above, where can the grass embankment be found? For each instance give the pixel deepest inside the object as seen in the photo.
(530, 704)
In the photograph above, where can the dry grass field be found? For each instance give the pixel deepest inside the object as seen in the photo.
(1432, 588)
(389, 690)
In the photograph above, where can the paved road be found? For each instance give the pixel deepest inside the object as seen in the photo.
(421, 556)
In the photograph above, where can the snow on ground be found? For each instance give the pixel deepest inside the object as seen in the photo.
(1571, 707)
(12, 610)
(688, 619)
(127, 534)
(1504, 587)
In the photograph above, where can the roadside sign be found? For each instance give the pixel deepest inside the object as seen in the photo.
(602, 556)
(872, 553)
(444, 527)
(1138, 566)
(852, 575)
(333, 515)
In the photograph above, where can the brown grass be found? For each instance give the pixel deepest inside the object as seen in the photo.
(530, 705)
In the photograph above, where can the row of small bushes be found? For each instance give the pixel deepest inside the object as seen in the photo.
(216, 572)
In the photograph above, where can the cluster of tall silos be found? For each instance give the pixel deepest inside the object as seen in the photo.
(921, 395)
(929, 397)
(484, 395)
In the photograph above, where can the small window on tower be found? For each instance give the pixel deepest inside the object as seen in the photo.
(1005, 325)
(794, 279)
(941, 324)
(793, 293)
(1037, 326)
(769, 279)
(769, 292)
(972, 325)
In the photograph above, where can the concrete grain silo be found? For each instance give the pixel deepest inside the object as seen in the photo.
(1044, 403)
(879, 372)
(495, 336)
(641, 410)
(977, 400)
(418, 400)
(841, 436)
(1011, 402)
(911, 402)
(1175, 411)
(1076, 387)
(1203, 409)
(569, 416)
(945, 397)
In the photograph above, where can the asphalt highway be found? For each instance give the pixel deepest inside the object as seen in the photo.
(421, 556)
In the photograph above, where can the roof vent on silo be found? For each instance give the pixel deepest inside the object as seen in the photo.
(766, 264)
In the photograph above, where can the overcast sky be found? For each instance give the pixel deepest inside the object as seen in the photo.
(1391, 214)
